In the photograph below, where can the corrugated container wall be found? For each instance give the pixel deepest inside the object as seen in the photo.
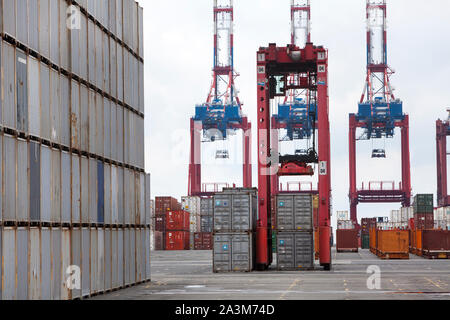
(72, 148)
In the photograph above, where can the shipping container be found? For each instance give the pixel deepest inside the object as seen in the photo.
(435, 244)
(206, 224)
(295, 250)
(34, 287)
(9, 264)
(294, 212)
(177, 221)
(65, 264)
(85, 262)
(234, 252)
(46, 264)
(206, 207)
(393, 244)
(347, 240)
(57, 274)
(177, 240)
(235, 210)
(76, 261)
(203, 241)
(160, 240)
(22, 253)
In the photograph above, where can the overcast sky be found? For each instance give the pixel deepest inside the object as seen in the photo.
(178, 63)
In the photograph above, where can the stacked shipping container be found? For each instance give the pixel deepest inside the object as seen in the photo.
(74, 190)
(423, 211)
(295, 232)
(235, 216)
(192, 205)
(162, 206)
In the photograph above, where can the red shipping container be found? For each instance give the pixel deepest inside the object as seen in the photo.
(160, 240)
(347, 240)
(160, 222)
(203, 241)
(177, 240)
(424, 221)
(177, 221)
(164, 204)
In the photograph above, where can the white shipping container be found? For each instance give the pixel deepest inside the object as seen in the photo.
(191, 205)
(395, 216)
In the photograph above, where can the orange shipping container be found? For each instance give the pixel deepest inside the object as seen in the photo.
(393, 244)
(316, 244)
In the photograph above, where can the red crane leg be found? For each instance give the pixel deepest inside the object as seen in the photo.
(441, 156)
(406, 163)
(324, 165)
(264, 177)
(274, 145)
(195, 174)
(247, 147)
(352, 167)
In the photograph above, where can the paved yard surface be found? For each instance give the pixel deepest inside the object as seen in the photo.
(187, 275)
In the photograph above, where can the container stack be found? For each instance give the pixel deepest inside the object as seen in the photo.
(235, 216)
(192, 205)
(423, 211)
(177, 230)
(346, 234)
(442, 218)
(162, 206)
(74, 191)
(366, 225)
(203, 239)
(295, 232)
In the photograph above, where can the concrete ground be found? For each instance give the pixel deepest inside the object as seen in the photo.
(187, 275)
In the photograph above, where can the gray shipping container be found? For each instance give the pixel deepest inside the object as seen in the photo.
(295, 250)
(34, 97)
(66, 191)
(46, 264)
(94, 261)
(295, 212)
(76, 189)
(114, 195)
(23, 183)
(55, 106)
(235, 211)
(35, 181)
(56, 263)
(85, 262)
(147, 254)
(9, 264)
(206, 207)
(23, 238)
(108, 259)
(127, 256)
(9, 178)
(206, 223)
(120, 257)
(76, 257)
(22, 91)
(56, 186)
(65, 264)
(9, 85)
(34, 288)
(114, 259)
(234, 252)
(100, 259)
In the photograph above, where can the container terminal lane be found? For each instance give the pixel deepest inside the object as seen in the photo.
(187, 275)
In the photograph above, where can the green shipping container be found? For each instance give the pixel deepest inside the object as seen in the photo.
(423, 200)
(365, 242)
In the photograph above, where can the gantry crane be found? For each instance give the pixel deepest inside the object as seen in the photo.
(379, 113)
(442, 132)
(222, 111)
(280, 69)
(297, 113)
